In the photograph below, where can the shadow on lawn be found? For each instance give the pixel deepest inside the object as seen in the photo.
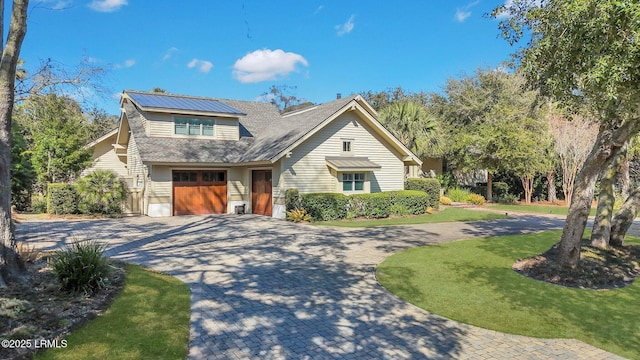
(603, 317)
(265, 288)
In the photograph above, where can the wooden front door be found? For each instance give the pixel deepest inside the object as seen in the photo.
(261, 192)
(199, 192)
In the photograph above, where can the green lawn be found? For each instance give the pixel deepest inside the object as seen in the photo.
(148, 320)
(446, 215)
(555, 210)
(471, 281)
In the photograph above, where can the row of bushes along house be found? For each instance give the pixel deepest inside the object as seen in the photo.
(420, 196)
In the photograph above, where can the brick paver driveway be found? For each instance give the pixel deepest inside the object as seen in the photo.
(264, 288)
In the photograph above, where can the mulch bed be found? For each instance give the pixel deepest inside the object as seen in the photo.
(598, 269)
(39, 309)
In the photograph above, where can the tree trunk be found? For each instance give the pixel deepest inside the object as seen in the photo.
(624, 218)
(624, 177)
(607, 146)
(602, 223)
(551, 187)
(489, 186)
(527, 185)
(9, 263)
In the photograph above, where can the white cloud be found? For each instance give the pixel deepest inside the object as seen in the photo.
(462, 15)
(127, 64)
(262, 65)
(464, 12)
(203, 66)
(107, 5)
(318, 9)
(347, 27)
(55, 4)
(169, 53)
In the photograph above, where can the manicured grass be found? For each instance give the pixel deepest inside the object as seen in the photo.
(148, 320)
(446, 215)
(472, 281)
(555, 210)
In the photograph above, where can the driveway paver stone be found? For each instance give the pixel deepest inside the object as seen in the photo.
(268, 289)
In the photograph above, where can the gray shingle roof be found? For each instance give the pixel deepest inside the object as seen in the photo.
(264, 134)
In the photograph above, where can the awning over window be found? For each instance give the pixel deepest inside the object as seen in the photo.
(348, 163)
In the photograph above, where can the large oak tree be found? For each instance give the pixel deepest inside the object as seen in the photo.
(586, 54)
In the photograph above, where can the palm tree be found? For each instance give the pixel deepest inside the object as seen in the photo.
(101, 192)
(414, 126)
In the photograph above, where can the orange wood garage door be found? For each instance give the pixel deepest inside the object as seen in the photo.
(199, 192)
(261, 192)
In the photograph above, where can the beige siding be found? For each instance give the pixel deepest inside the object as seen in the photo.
(105, 158)
(134, 163)
(160, 184)
(162, 125)
(306, 168)
(434, 164)
(159, 124)
(237, 186)
(226, 129)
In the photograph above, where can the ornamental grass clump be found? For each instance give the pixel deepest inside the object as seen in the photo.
(81, 266)
(458, 195)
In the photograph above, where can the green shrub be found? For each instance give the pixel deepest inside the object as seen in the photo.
(500, 189)
(458, 195)
(38, 204)
(325, 206)
(445, 200)
(374, 205)
(81, 266)
(430, 186)
(507, 199)
(62, 199)
(292, 199)
(398, 210)
(476, 199)
(415, 201)
(298, 215)
(101, 192)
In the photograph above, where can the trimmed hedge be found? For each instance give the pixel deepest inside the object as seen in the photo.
(325, 206)
(428, 185)
(292, 199)
(374, 205)
(62, 199)
(416, 202)
(333, 206)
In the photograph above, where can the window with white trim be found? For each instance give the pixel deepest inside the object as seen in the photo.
(353, 181)
(346, 146)
(193, 126)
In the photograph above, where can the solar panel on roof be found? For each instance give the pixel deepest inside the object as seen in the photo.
(183, 103)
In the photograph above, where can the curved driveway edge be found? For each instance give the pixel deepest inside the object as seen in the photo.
(265, 288)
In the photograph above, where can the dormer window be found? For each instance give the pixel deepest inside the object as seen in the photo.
(193, 126)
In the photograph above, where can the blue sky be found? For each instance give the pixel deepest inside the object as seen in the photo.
(238, 49)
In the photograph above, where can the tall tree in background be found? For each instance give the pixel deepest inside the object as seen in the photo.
(59, 132)
(573, 139)
(583, 53)
(22, 174)
(100, 123)
(380, 100)
(10, 267)
(281, 97)
(414, 126)
(486, 118)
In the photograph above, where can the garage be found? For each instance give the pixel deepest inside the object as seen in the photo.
(199, 192)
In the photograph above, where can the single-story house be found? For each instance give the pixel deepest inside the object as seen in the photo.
(194, 155)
